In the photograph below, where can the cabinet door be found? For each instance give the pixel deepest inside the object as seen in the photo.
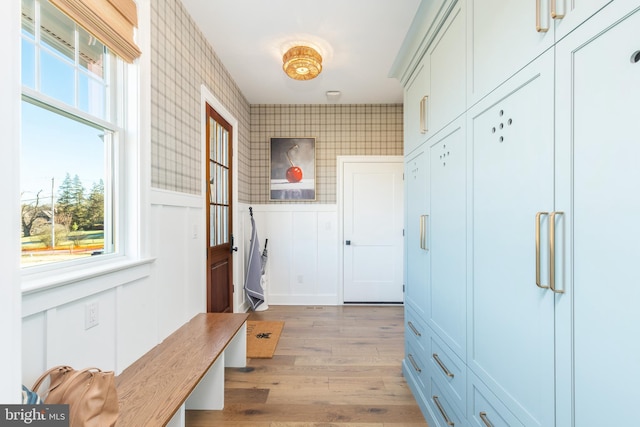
(416, 107)
(598, 106)
(568, 14)
(448, 70)
(448, 237)
(416, 231)
(511, 320)
(503, 39)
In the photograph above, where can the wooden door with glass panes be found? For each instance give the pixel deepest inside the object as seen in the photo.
(220, 246)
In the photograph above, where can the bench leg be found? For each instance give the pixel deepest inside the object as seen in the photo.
(209, 393)
(235, 355)
(178, 419)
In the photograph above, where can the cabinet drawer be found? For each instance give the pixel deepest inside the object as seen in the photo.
(448, 371)
(416, 330)
(485, 409)
(416, 365)
(444, 413)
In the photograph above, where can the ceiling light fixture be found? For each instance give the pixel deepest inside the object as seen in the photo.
(302, 63)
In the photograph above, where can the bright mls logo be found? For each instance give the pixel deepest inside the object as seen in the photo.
(34, 415)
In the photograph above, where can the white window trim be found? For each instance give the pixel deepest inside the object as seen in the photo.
(58, 284)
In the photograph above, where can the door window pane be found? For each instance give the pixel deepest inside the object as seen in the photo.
(219, 183)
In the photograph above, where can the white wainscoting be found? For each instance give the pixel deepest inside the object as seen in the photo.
(302, 266)
(138, 306)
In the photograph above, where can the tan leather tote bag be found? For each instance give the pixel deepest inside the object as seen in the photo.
(90, 394)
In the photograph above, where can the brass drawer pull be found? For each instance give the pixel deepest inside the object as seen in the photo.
(554, 11)
(442, 412)
(539, 27)
(413, 362)
(538, 216)
(423, 232)
(552, 252)
(485, 420)
(423, 114)
(442, 366)
(413, 329)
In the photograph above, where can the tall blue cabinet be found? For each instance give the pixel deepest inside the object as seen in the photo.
(521, 207)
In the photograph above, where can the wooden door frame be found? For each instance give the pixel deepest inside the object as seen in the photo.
(340, 162)
(207, 97)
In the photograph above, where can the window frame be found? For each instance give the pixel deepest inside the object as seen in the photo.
(127, 187)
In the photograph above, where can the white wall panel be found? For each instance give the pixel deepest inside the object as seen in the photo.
(137, 324)
(279, 231)
(327, 281)
(195, 262)
(34, 350)
(169, 247)
(302, 266)
(70, 343)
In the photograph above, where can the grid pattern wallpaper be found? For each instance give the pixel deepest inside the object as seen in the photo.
(182, 60)
(340, 130)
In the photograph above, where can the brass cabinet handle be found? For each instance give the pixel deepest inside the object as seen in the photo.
(539, 27)
(414, 330)
(442, 412)
(423, 232)
(552, 252)
(538, 216)
(423, 114)
(442, 366)
(413, 362)
(485, 420)
(554, 12)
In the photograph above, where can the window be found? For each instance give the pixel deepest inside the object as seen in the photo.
(72, 128)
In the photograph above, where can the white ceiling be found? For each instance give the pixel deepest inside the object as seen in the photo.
(358, 41)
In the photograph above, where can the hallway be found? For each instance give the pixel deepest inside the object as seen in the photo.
(334, 366)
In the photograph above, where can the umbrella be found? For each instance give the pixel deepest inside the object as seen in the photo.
(263, 278)
(264, 256)
(255, 268)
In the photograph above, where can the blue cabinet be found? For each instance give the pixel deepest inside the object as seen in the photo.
(511, 321)
(446, 306)
(597, 189)
(416, 231)
(522, 295)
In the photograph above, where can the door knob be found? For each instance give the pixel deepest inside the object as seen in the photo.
(348, 243)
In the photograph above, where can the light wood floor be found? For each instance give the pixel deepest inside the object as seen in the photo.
(334, 366)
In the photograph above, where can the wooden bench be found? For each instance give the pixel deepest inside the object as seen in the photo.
(185, 371)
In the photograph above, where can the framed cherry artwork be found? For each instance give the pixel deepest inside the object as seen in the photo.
(292, 169)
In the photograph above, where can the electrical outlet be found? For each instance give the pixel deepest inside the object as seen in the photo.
(91, 315)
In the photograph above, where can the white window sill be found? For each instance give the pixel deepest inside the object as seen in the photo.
(41, 292)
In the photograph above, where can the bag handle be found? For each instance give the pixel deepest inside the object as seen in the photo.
(38, 383)
(75, 376)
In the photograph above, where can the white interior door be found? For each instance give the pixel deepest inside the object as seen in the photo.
(373, 201)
